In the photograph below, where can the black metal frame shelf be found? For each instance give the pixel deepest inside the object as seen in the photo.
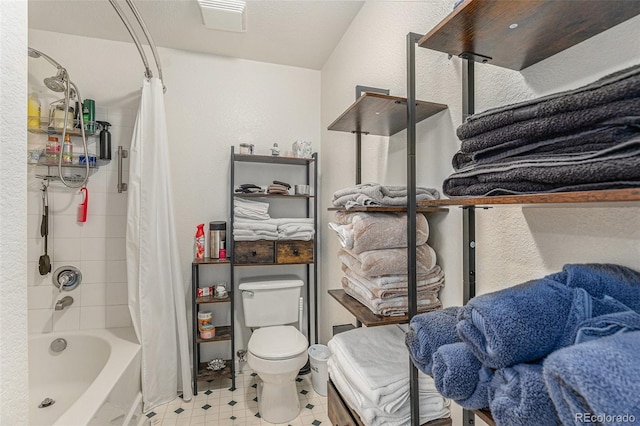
(312, 181)
(224, 333)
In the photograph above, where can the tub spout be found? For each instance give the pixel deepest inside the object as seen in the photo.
(64, 302)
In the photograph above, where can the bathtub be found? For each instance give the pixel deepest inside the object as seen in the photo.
(94, 381)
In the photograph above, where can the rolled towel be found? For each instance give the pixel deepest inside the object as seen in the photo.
(607, 325)
(526, 322)
(459, 375)
(602, 279)
(519, 398)
(596, 378)
(427, 332)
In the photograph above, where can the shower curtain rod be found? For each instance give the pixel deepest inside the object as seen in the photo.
(148, 73)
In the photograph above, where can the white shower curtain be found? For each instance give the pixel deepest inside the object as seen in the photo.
(156, 288)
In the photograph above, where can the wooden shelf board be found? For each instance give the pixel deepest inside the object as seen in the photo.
(383, 115)
(363, 313)
(389, 209)
(211, 261)
(486, 416)
(212, 299)
(272, 159)
(604, 196)
(223, 334)
(204, 374)
(545, 27)
(272, 196)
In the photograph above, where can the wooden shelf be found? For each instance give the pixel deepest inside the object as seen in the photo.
(213, 299)
(486, 416)
(544, 28)
(204, 374)
(223, 334)
(383, 115)
(263, 195)
(364, 314)
(389, 209)
(272, 159)
(604, 196)
(211, 261)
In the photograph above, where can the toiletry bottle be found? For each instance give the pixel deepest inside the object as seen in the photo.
(105, 141)
(33, 112)
(89, 114)
(200, 242)
(67, 150)
(53, 149)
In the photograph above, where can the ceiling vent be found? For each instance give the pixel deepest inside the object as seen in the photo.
(224, 15)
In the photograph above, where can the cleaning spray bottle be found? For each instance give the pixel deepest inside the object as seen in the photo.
(200, 242)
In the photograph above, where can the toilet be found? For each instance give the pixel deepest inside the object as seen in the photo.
(277, 350)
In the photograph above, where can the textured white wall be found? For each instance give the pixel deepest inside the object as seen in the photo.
(514, 244)
(13, 209)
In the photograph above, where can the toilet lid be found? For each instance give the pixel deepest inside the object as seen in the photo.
(277, 342)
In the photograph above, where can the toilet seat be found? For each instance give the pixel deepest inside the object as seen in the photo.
(277, 342)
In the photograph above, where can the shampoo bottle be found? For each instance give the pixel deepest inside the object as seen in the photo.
(200, 242)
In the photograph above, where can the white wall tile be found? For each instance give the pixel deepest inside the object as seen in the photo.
(34, 201)
(67, 319)
(118, 316)
(117, 294)
(97, 204)
(65, 201)
(93, 249)
(93, 317)
(34, 278)
(95, 227)
(116, 226)
(111, 177)
(116, 204)
(116, 271)
(65, 227)
(93, 295)
(33, 225)
(67, 249)
(116, 249)
(94, 271)
(35, 247)
(39, 320)
(41, 297)
(97, 183)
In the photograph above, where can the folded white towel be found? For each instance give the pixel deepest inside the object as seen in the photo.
(254, 237)
(255, 225)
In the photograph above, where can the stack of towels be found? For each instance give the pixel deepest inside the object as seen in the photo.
(554, 350)
(370, 369)
(374, 261)
(253, 222)
(578, 140)
(374, 194)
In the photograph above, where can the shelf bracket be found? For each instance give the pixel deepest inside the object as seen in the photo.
(475, 57)
(359, 91)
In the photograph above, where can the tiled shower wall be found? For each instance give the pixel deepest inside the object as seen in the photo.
(96, 247)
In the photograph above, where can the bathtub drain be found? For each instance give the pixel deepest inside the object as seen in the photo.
(46, 403)
(58, 345)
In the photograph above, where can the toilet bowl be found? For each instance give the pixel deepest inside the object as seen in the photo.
(276, 354)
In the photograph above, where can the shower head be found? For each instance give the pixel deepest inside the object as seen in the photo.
(57, 83)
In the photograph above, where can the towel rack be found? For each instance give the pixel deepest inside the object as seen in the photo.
(148, 73)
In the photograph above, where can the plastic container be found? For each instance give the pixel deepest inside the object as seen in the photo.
(318, 357)
(67, 150)
(33, 112)
(200, 242)
(53, 149)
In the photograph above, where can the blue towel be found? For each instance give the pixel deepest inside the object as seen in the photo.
(429, 331)
(458, 375)
(597, 378)
(527, 322)
(519, 397)
(602, 279)
(607, 325)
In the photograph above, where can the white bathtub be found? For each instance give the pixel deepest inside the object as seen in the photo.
(94, 381)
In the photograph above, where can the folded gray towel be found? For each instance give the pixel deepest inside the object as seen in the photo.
(553, 125)
(623, 84)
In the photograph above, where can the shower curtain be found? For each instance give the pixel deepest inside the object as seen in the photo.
(156, 287)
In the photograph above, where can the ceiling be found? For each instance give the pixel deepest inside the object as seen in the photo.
(299, 33)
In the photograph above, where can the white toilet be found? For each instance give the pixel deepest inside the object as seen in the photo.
(276, 350)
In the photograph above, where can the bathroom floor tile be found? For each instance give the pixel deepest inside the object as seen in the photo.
(218, 404)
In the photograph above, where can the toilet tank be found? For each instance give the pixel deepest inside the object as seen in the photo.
(270, 300)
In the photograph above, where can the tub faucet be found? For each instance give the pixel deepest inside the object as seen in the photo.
(64, 302)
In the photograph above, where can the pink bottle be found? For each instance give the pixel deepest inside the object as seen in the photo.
(200, 242)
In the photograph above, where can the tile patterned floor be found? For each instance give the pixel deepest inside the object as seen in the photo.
(217, 404)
